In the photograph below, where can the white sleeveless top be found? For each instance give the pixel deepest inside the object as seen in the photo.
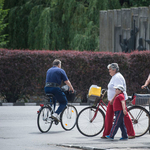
(117, 79)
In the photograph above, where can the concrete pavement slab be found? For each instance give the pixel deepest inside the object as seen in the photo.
(19, 131)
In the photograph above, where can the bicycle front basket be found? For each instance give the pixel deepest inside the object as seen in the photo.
(94, 92)
(141, 99)
(70, 96)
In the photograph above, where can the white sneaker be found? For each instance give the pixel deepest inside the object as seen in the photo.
(55, 116)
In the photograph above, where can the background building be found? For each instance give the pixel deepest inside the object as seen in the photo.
(132, 24)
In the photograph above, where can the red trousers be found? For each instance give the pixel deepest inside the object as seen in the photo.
(109, 121)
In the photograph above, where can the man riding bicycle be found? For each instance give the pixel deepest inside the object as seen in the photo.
(55, 75)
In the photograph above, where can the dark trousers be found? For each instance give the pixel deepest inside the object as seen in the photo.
(109, 122)
(118, 123)
(59, 96)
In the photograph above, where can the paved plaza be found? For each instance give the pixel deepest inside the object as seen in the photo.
(18, 131)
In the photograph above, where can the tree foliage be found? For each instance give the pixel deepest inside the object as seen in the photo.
(3, 25)
(134, 3)
(59, 24)
(56, 24)
(137, 3)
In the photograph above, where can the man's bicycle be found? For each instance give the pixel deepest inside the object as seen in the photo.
(67, 117)
(90, 120)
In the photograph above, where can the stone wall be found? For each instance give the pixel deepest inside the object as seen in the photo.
(114, 23)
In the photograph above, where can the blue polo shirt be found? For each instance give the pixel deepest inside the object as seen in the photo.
(56, 75)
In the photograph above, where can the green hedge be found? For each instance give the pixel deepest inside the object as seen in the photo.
(139, 69)
(23, 73)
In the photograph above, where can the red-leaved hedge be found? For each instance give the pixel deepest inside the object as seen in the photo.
(23, 72)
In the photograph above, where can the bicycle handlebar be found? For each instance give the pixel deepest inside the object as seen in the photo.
(130, 98)
(146, 87)
(103, 91)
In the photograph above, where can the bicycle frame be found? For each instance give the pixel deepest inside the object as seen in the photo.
(149, 103)
(101, 103)
(47, 105)
(138, 115)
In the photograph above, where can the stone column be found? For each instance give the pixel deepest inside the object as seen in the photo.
(117, 30)
(110, 30)
(148, 29)
(126, 18)
(125, 23)
(135, 16)
(143, 25)
(103, 35)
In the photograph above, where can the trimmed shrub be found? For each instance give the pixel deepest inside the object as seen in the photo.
(17, 73)
(23, 73)
(139, 69)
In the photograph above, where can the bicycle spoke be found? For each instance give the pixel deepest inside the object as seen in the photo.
(68, 117)
(44, 121)
(88, 127)
(140, 119)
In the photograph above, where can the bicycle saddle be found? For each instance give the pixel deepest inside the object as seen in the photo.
(49, 95)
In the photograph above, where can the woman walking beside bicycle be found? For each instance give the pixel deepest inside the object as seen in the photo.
(117, 79)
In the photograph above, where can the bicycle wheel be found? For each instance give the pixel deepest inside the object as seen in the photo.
(68, 117)
(43, 121)
(140, 119)
(86, 126)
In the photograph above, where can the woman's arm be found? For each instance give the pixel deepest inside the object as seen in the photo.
(146, 82)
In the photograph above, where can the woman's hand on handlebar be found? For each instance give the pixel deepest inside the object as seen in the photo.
(143, 87)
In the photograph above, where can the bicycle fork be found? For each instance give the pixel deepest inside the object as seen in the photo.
(47, 115)
(97, 108)
(135, 120)
(95, 114)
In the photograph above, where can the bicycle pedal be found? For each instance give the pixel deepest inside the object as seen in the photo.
(50, 119)
(56, 122)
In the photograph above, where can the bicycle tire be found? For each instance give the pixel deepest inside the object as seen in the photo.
(141, 119)
(88, 128)
(43, 120)
(68, 117)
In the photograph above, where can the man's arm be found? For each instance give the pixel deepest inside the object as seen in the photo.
(70, 86)
(146, 82)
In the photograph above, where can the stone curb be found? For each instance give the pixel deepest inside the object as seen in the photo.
(36, 104)
(80, 147)
(96, 148)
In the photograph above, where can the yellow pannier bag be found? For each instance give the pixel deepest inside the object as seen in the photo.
(94, 91)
